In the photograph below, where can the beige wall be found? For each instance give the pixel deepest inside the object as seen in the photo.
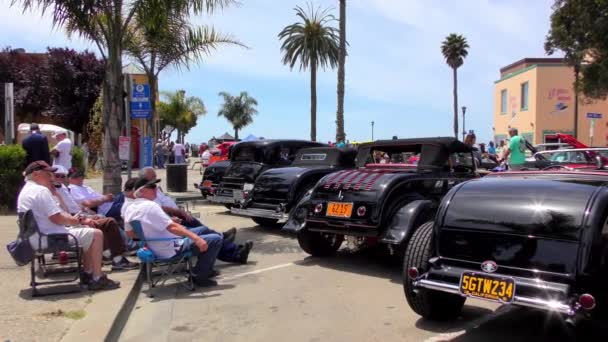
(551, 106)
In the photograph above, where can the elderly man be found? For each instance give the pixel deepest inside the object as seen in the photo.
(86, 196)
(36, 196)
(230, 252)
(63, 150)
(113, 240)
(158, 225)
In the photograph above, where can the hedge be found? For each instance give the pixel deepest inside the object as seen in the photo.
(12, 164)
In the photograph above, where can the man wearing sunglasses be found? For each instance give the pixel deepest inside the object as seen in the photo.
(156, 224)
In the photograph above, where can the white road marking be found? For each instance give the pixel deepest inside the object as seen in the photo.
(276, 267)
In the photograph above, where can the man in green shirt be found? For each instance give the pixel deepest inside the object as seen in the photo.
(515, 153)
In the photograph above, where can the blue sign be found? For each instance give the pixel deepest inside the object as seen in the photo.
(145, 153)
(594, 115)
(140, 101)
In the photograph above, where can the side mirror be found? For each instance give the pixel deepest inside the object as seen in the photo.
(599, 162)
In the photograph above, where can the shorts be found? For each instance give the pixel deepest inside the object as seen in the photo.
(84, 236)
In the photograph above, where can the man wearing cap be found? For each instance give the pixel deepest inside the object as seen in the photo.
(113, 240)
(158, 225)
(85, 195)
(36, 196)
(62, 152)
(36, 146)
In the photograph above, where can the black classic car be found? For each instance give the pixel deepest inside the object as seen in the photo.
(398, 185)
(533, 239)
(277, 191)
(248, 160)
(212, 176)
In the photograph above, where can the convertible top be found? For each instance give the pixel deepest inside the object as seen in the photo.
(451, 144)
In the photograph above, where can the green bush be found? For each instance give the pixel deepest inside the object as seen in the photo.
(77, 158)
(12, 163)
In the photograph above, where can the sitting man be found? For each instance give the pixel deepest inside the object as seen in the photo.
(86, 196)
(156, 224)
(229, 252)
(113, 240)
(36, 196)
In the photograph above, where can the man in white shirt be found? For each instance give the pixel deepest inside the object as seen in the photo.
(205, 158)
(36, 196)
(63, 150)
(178, 151)
(86, 196)
(156, 224)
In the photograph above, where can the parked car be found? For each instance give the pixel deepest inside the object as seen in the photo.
(277, 191)
(212, 176)
(249, 159)
(570, 159)
(385, 198)
(221, 152)
(532, 239)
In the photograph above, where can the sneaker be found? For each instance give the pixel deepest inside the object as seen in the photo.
(214, 274)
(106, 260)
(244, 252)
(85, 278)
(124, 264)
(103, 283)
(229, 235)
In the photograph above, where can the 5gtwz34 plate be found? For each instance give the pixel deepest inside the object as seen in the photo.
(483, 285)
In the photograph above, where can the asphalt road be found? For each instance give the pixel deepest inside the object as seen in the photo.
(283, 294)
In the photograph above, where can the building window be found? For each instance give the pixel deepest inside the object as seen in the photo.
(524, 96)
(503, 101)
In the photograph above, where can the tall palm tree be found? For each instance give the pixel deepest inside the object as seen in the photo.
(454, 49)
(238, 110)
(160, 37)
(340, 135)
(311, 43)
(180, 112)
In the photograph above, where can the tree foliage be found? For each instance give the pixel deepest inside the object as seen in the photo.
(455, 49)
(311, 43)
(238, 110)
(180, 112)
(579, 29)
(61, 84)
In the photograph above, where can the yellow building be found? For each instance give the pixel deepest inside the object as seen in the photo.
(536, 96)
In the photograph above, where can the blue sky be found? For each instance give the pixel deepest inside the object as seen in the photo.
(395, 73)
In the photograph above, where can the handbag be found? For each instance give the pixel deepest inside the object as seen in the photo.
(21, 250)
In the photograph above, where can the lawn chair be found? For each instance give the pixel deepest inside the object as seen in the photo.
(169, 267)
(56, 243)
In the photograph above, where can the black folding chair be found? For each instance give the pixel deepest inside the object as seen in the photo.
(55, 244)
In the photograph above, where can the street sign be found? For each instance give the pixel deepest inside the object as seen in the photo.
(140, 101)
(146, 152)
(594, 115)
(124, 146)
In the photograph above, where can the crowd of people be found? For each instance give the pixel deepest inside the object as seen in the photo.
(509, 154)
(174, 152)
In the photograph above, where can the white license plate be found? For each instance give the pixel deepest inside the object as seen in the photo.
(237, 195)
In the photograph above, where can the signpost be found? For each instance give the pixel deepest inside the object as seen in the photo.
(592, 116)
(140, 101)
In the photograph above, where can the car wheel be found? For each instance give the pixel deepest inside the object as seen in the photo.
(265, 222)
(319, 244)
(427, 303)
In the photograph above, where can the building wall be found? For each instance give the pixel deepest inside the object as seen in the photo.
(551, 106)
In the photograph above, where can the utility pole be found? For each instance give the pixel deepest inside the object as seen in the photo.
(464, 131)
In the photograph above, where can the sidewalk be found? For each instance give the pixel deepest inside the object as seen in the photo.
(67, 317)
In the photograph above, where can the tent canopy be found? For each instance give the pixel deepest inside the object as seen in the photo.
(225, 137)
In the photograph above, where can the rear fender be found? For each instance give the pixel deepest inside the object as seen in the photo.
(297, 216)
(406, 220)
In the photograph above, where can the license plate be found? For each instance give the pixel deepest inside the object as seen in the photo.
(481, 285)
(237, 195)
(338, 209)
(207, 184)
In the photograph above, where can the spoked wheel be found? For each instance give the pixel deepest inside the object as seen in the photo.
(319, 244)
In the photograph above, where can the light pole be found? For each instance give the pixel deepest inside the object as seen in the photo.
(464, 131)
(372, 131)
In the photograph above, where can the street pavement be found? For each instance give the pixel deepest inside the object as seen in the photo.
(284, 294)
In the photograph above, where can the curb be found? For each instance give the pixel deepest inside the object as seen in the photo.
(120, 321)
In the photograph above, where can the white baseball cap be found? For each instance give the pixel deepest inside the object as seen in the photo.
(59, 133)
(61, 170)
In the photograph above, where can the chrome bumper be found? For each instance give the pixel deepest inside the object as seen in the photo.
(224, 199)
(265, 213)
(561, 306)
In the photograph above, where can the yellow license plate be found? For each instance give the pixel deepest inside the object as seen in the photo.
(207, 184)
(480, 285)
(338, 209)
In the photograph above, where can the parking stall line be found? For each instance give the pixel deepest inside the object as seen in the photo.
(272, 268)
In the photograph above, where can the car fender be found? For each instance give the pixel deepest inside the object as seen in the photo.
(297, 216)
(405, 221)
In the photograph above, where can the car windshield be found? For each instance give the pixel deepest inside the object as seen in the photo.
(247, 154)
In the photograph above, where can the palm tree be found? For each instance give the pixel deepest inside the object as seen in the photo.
(158, 39)
(311, 43)
(238, 110)
(340, 135)
(454, 49)
(105, 24)
(180, 112)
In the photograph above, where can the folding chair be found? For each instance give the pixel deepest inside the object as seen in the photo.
(168, 266)
(55, 243)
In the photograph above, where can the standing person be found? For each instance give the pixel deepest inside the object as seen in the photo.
(62, 152)
(205, 158)
(516, 151)
(178, 151)
(160, 154)
(171, 153)
(36, 146)
(491, 148)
